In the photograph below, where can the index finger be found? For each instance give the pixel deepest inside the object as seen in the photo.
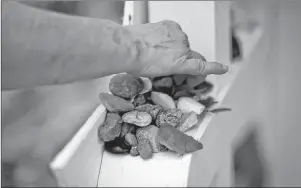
(200, 67)
(213, 68)
(210, 67)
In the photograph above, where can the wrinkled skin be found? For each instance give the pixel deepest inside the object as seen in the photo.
(163, 50)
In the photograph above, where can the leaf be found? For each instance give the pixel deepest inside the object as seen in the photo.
(177, 141)
(218, 110)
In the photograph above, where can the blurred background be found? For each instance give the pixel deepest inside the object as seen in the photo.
(263, 37)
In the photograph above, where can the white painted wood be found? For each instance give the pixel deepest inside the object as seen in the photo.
(223, 42)
(135, 12)
(140, 12)
(78, 164)
(224, 175)
(128, 13)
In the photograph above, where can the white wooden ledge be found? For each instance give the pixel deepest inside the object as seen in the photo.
(78, 164)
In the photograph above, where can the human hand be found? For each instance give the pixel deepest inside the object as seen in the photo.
(163, 49)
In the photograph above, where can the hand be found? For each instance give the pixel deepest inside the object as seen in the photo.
(163, 49)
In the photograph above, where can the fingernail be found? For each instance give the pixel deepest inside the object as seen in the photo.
(225, 67)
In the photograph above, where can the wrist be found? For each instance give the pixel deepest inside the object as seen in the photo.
(128, 49)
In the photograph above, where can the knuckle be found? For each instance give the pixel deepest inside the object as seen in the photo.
(181, 40)
(202, 58)
(185, 36)
(194, 54)
(201, 65)
(170, 23)
(185, 40)
(183, 53)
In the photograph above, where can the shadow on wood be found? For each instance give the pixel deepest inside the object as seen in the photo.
(249, 166)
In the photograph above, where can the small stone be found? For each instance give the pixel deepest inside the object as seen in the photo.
(166, 90)
(182, 93)
(116, 149)
(169, 117)
(114, 103)
(202, 85)
(188, 120)
(193, 81)
(117, 146)
(163, 100)
(207, 102)
(131, 139)
(150, 133)
(157, 78)
(125, 85)
(163, 85)
(111, 127)
(164, 82)
(135, 117)
(200, 92)
(187, 104)
(127, 128)
(145, 150)
(147, 85)
(134, 151)
(176, 102)
(202, 88)
(153, 110)
(182, 88)
(139, 100)
(177, 141)
(196, 98)
(148, 97)
(179, 79)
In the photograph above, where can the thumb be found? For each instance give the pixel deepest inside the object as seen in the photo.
(200, 67)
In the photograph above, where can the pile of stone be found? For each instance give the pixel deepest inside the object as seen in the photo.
(147, 116)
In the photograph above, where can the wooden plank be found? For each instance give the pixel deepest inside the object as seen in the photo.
(78, 164)
(223, 42)
(128, 13)
(126, 171)
(140, 12)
